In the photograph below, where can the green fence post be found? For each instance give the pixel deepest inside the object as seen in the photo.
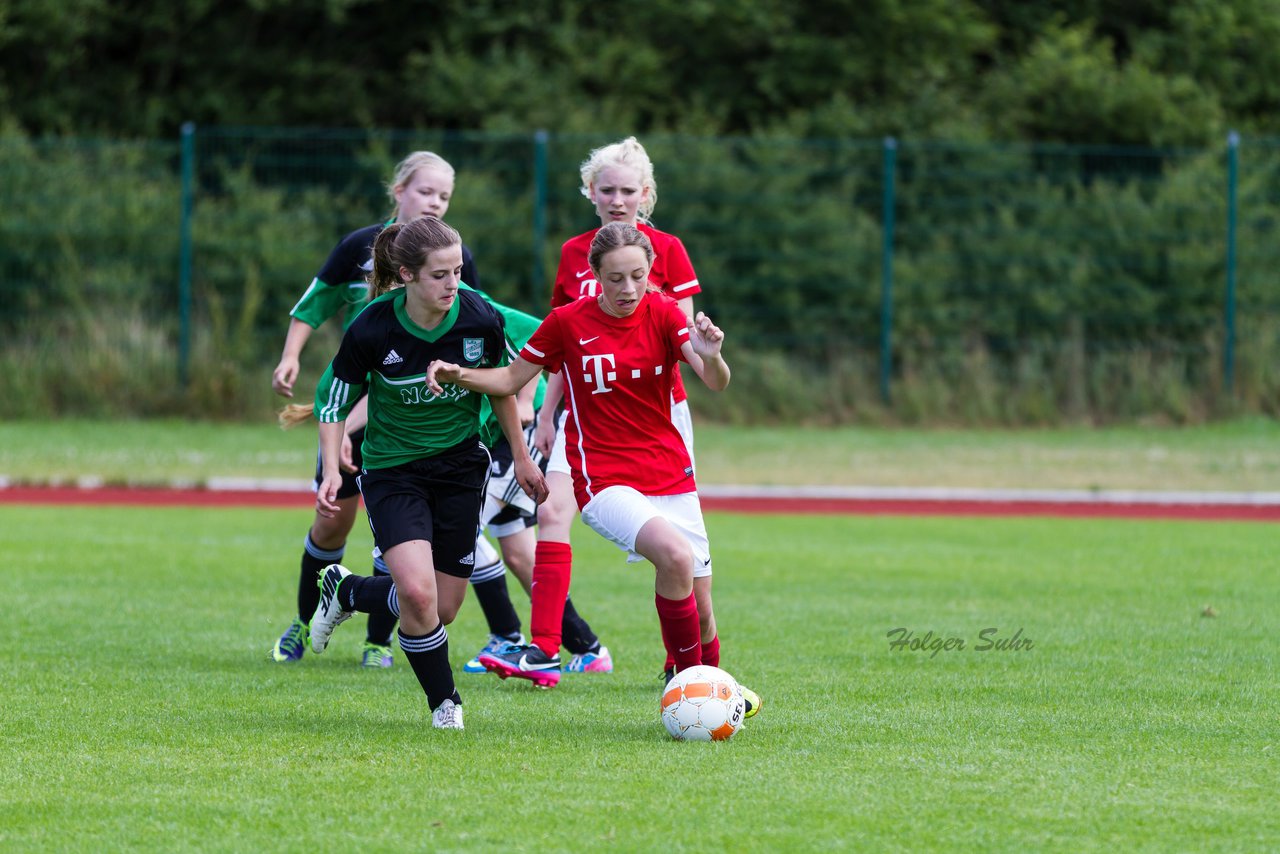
(1229, 308)
(185, 252)
(886, 269)
(537, 283)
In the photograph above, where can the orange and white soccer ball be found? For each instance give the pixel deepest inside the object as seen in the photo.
(702, 703)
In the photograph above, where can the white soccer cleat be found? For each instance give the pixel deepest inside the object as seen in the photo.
(329, 614)
(448, 715)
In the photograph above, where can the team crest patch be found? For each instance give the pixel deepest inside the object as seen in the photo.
(472, 349)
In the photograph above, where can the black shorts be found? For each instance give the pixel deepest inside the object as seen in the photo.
(437, 499)
(349, 486)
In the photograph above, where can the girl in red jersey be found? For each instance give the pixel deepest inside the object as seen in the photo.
(618, 180)
(632, 474)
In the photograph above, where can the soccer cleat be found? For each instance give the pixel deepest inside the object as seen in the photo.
(376, 655)
(666, 676)
(752, 701)
(448, 715)
(591, 662)
(497, 643)
(525, 662)
(292, 644)
(329, 614)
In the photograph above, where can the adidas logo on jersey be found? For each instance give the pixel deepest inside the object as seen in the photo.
(393, 358)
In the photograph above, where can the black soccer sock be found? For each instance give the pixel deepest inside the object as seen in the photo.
(576, 634)
(381, 621)
(490, 586)
(314, 560)
(428, 655)
(368, 594)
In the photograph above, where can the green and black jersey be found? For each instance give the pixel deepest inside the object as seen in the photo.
(342, 282)
(386, 354)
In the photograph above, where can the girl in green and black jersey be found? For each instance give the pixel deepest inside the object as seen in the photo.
(425, 464)
(422, 186)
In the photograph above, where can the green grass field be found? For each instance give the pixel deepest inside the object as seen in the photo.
(1241, 455)
(141, 712)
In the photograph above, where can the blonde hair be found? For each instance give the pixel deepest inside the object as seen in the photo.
(628, 153)
(294, 414)
(616, 235)
(406, 169)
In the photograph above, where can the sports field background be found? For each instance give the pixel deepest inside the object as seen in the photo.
(1241, 455)
(142, 713)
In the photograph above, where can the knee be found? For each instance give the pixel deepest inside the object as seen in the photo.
(558, 510)
(707, 623)
(519, 563)
(702, 594)
(417, 600)
(331, 533)
(553, 516)
(674, 560)
(447, 613)
(706, 614)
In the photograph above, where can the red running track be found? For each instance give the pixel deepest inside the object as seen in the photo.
(165, 497)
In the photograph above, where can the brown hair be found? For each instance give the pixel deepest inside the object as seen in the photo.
(406, 244)
(613, 236)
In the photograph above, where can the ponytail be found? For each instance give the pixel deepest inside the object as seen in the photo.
(385, 275)
(294, 414)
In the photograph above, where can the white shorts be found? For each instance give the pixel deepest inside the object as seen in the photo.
(559, 460)
(683, 419)
(501, 520)
(680, 417)
(619, 512)
(503, 485)
(485, 557)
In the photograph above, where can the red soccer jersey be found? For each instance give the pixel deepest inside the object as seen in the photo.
(672, 274)
(618, 373)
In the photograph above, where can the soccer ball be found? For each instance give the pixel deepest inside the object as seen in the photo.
(702, 703)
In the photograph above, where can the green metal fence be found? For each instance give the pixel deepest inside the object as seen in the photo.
(928, 280)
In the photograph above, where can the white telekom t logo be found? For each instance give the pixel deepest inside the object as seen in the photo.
(595, 372)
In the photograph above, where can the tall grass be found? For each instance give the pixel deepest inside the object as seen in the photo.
(1032, 285)
(1049, 383)
(123, 365)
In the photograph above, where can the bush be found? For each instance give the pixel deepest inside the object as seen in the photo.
(1031, 284)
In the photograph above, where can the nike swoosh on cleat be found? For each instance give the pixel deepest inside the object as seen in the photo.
(529, 668)
(582, 342)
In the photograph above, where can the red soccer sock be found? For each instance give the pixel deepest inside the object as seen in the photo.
(711, 652)
(552, 569)
(680, 631)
